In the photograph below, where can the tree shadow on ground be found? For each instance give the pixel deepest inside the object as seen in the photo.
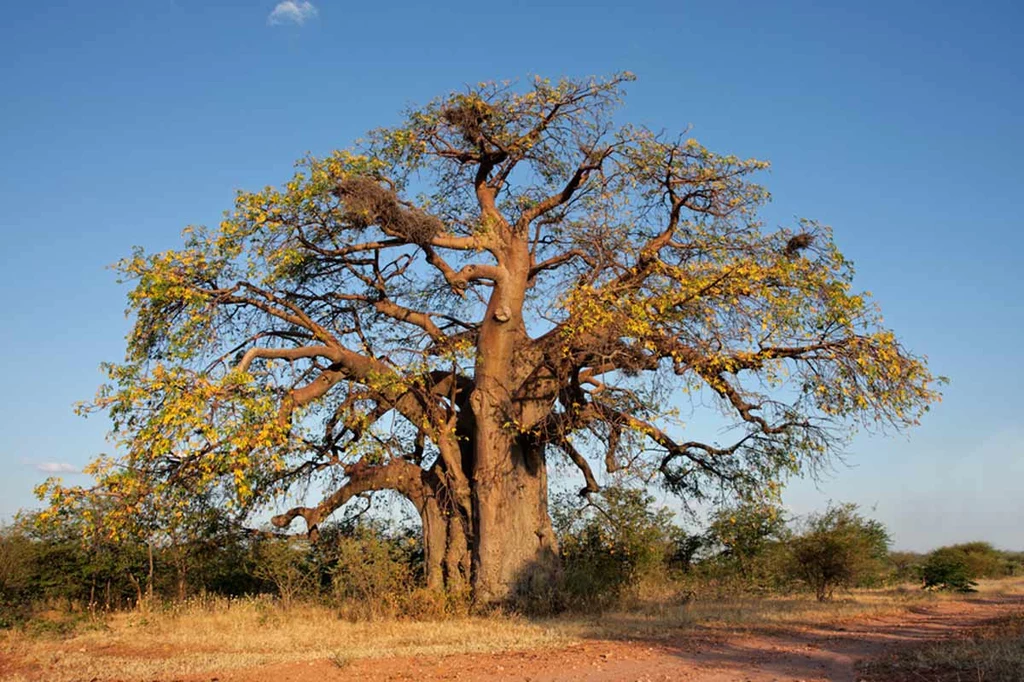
(688, 644)
(804, 649)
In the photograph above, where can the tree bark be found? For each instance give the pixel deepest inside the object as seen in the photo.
(516, 553)
(182, 570)
(458, 560)
(138, 590)
(445, 547)
(514, 547)
(149, 574)
(435, 540)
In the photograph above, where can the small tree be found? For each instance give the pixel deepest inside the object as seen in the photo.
(948, 568)
(743, 533)
(839, 548)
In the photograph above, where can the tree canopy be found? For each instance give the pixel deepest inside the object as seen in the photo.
(506, 277)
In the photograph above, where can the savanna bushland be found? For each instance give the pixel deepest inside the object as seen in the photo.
(114, 610)
(460, 352)
(508, 279)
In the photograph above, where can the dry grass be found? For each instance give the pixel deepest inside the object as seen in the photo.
(654, 617)
(990, 653)
(220, 634)
(228, 634)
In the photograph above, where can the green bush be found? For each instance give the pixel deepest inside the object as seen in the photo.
(611, 544)
(983, 560)
(948, 568)
(839, 548)
(17, 566)
(743, 549)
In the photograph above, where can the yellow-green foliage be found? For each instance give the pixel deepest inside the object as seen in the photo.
(332, 327)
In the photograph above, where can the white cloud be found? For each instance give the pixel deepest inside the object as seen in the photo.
(56, 468)
(292, 12)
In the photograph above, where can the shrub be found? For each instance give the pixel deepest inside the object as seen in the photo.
(948, 568)
(17, 577)
(982, 559)
(839, 548)
(612, 543)
(743, 548)
(369, 576)
(17, 563)
(285, 564)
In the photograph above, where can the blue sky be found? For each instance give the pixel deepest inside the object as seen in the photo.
(897, 123)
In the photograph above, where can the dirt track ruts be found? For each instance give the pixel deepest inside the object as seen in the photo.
(795, 651)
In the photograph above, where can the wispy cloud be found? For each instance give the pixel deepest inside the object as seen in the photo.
(295, 12)
(56, 468)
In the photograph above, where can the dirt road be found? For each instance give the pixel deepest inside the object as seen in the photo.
(785, 654)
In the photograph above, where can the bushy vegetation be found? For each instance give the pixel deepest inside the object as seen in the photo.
(612, 543)
(744, 549)
(957, 567)
(839, 548)
(618, 546)
(947, 569)
(365, 569)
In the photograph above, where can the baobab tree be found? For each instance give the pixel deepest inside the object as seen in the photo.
(506, 278)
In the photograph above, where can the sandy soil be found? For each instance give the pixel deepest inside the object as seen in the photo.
(807, 653)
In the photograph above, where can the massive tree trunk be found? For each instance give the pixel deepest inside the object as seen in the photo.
(515, 551)
(514, 548)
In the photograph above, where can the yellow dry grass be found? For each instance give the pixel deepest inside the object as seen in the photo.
(653, 617)
(993, 652)
(219, 634)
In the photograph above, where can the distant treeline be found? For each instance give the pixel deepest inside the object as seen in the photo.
(616, 546)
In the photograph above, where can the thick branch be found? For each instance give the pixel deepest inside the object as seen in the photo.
(581, 463)
(287, 354)
(413, 317)
(399, 475)
(561, 259)
(469, 273)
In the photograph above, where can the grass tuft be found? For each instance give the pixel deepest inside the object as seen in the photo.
(340, 660)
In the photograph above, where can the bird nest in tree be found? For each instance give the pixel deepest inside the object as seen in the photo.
(368, 203)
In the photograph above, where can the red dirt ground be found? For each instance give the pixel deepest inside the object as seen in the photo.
(805, 653)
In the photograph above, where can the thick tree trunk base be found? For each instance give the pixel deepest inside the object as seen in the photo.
(516, 553)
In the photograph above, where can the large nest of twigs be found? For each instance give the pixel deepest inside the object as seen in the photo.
(367, 203)
(468, 117)
(798, 243)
